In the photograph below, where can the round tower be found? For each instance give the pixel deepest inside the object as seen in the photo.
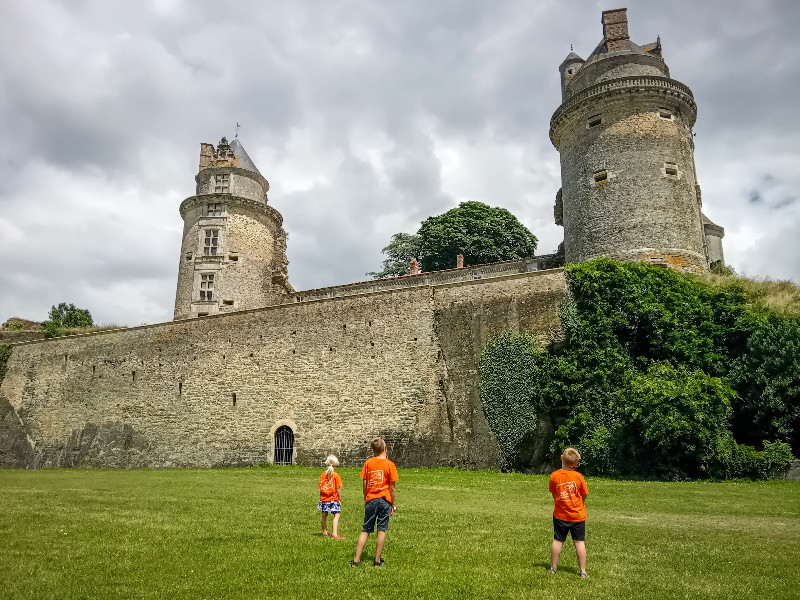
(233, 254)
(624, 132)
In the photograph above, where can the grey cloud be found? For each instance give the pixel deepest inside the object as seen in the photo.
(110, 101)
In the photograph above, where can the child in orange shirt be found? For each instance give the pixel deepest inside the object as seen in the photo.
(329, 499)
(379, 475)
(569, 515)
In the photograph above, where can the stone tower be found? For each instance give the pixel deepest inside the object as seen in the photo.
(624, 132)
(233, 254)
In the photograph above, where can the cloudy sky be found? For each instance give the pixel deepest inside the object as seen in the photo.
(365, 116)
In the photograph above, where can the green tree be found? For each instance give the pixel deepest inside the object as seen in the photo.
(66, 316)
(401, 249)
(481, 233)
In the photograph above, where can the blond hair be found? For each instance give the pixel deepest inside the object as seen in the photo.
(378, 445)
(332, 462)
(571, 456)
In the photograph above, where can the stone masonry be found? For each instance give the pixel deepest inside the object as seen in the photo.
(402, 363)
(624, 131)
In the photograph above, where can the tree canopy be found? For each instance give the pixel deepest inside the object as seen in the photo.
(399, 252)
(66, 316)
(481, 233)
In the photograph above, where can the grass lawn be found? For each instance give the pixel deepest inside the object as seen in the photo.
(254, 533)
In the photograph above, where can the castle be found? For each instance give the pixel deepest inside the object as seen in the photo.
(251, 370)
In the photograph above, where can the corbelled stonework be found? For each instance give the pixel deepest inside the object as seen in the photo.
(624, 131)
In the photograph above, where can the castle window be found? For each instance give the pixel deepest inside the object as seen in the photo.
(214, 209)
(594, 121)
(211, 242)
(476, 274)
(222, 183)
(665, 113)
(601, 176)
(206, 286)
(228, 302)
(670, 169)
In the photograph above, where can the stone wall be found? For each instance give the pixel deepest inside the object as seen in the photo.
(212, 391)
(627, 167)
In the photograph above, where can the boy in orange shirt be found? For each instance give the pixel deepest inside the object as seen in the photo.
(379, 475)
(569, 515)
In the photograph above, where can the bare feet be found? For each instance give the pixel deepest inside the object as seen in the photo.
(325, 534)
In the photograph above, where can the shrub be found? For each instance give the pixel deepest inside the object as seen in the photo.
(654, 365)
(767, 377)
(672, 417)
(738, 461)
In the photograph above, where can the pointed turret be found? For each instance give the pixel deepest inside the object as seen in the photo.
(244, 159)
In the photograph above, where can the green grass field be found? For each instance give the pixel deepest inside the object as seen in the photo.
(254, 533)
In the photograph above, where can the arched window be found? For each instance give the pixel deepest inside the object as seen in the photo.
(284, 445)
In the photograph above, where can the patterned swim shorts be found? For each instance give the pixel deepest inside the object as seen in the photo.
(330, 507)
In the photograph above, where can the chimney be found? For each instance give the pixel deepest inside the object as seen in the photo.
(460, 261)
(615, 29)
(414, 267)
(206, 156)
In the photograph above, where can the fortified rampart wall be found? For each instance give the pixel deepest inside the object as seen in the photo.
(402, 363)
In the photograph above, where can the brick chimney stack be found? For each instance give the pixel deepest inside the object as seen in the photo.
(615, 29)
(413, 267)
(460, 261)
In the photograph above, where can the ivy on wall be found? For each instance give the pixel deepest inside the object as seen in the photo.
(663, 375)
(5, 353)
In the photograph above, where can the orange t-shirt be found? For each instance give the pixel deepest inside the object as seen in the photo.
(329, 488)
(569, 489)
(378, 473)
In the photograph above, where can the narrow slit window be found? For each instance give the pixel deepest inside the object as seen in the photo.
(665, 113)
(206, 287)
(671, 169)
(601, 176)
(222, 183)
(211, 243)
(233, 257)
(228, 302)
(595, 121)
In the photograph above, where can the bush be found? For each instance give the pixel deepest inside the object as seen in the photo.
(767, 377)
(654, 366)
(738, 461)
(672, 418)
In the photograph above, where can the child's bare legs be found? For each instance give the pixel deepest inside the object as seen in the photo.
(362, 541)
(555, 553)
(580, 550)
(381, 541)
(335, 532)
(325, 524)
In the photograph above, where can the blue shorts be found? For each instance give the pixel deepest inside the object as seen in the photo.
(330, 507)
(377, 509)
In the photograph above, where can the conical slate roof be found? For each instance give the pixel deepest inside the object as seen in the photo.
(244, 160)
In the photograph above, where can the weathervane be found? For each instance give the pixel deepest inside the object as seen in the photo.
(237, 131)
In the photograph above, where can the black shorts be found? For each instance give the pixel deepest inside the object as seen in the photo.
(575, 528)
(377, 509)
